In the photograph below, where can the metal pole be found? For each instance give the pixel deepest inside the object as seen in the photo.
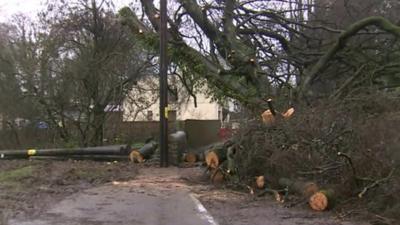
(163, 86)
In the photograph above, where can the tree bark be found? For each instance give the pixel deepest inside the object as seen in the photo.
(103, 150)
(306, 189)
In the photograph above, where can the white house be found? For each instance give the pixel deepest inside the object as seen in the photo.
(142, 104)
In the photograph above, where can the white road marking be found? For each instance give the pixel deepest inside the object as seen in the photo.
(202, 211)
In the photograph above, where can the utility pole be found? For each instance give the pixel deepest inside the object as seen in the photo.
(163, 86)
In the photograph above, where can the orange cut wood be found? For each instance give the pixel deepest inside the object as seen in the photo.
(322, 200)
(190, 157)
(288, 113)
(267, 117)
(135, 156)
(212, 160)
(319, 201)
(260, 182)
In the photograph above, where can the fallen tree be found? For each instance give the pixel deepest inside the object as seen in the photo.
(303, 188)
(101, 150)
(83, 157)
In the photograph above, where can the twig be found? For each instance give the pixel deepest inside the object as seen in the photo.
(320, 170)
(300, 201)
(277, 194)
(376, 183)
(385, 220)
(350, 162)
(347, 213)
(271, 107)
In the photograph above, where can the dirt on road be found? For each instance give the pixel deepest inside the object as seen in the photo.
(28, 188)
(85, 192)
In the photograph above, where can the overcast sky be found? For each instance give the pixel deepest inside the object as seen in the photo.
(10, 7)
(31, 7)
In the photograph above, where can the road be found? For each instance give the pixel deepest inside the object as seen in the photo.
(165, 197)
(156, 197)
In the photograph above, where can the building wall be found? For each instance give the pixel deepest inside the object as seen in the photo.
(184, 107)
(206, 110)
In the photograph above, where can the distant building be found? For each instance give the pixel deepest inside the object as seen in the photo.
(142, 104)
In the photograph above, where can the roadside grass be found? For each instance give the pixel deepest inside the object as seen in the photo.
(12, 179)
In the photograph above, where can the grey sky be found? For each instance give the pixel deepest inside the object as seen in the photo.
(10, 7)
(31, 7)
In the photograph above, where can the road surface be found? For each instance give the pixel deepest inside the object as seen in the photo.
(156, 197)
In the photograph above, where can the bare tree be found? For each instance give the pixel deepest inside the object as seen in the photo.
(77, 63)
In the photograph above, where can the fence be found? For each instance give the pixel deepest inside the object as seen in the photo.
(199, 132)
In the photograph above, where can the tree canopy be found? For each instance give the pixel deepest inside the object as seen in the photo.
(252, 50)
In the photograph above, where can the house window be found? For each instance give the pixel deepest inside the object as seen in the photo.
(149, 115)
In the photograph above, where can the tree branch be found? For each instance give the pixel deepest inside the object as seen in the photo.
(340, 43)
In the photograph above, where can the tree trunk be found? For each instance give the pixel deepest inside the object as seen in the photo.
(97, 126)
(306, 189)
(82, 157)
(103, 150)
(190, 157)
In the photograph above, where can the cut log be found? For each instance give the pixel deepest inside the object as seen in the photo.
(322, 200)
(289, 113)
(212, 160)
(101, 150)
(215, 156)
(145, 152)
(135, 156)
(190, 157)
(306, 189)
(260, 182)
(268, 118)
(82, 157)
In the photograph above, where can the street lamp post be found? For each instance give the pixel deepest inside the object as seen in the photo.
(163, 86)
